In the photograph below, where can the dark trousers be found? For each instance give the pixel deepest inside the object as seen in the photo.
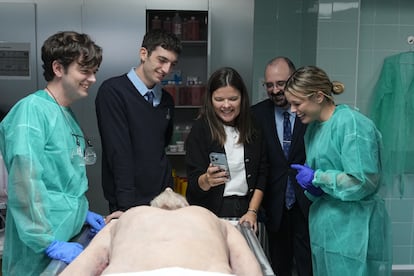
(233, 206)
(290, 243)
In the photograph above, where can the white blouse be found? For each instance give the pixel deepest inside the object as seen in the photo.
(237, 185)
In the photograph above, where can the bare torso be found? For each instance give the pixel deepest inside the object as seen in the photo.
(149, 238)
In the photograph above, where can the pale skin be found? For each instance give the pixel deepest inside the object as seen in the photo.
(313, 108)
(71, 84)
(147, 238)
(278, 72)
(155, 66)
(226, 101)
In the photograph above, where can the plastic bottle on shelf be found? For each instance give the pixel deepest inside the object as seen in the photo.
(178, 184)
(186, 131)
(177, 25)
(175, 178)
(156, 23)
(166, 24)
(197, 93)
(193, 29)
(184, 95)
(184, 184)
(171, 88)
(177, 134)
(184, 28)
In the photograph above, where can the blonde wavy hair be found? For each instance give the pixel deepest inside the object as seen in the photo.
(308, 80)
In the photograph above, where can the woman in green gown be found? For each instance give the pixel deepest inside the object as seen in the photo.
(348, 223)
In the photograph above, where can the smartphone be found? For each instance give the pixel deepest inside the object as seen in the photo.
(220, 160)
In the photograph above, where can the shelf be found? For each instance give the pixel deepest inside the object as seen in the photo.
(187, 82)
(187, 106)
(194, 42)
(177, 153)
(194, 23)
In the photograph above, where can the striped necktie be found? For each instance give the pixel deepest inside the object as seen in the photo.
(150, 97)
(287, 139)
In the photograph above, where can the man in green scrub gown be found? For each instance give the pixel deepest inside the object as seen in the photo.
(43, 148)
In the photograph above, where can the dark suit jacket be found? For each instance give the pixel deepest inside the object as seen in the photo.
(279, 167)
(199, 144)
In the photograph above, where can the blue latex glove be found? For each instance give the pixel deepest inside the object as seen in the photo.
(64, 251)
(304, 177)
(96, 221)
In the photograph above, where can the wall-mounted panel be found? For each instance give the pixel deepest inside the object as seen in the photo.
(18, 50)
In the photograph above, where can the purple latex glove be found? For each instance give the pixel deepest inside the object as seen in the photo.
(64, 251)
(96, 221)
(304, 177)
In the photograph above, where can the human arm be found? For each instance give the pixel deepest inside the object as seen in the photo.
(3, 178)
(96, 221)
(305, 177)
(198, 147)
(171, 118)
(213, 177)
(114, 215)
(257, 166)
(95, 258)
(63, 251)
(242, 260)
(349, 166)
(251, 215)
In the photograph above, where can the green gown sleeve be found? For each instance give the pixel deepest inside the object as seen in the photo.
(46, 189)
(27, 194)
(349, 167)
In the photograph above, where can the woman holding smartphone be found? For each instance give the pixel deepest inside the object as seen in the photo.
(225, 131)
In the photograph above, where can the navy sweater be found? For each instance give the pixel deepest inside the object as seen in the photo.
(134, 135)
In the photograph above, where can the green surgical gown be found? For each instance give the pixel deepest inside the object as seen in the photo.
(393, 113)
(46, 185)
(349, 225)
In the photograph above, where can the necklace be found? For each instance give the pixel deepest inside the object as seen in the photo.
(89, 155)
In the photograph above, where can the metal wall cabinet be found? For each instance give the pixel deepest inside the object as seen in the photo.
(231, 25)
(187, 81)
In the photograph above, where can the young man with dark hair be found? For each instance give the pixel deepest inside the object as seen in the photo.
(135, 119)
(44, 148)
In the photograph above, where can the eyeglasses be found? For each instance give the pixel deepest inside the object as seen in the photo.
(271, 85)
